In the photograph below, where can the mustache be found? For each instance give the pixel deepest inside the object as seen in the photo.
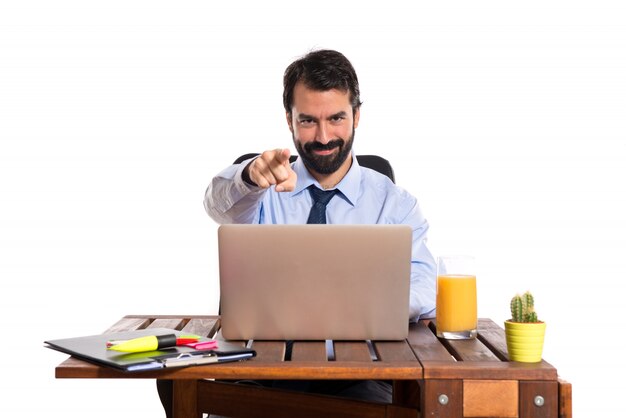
(318, 146)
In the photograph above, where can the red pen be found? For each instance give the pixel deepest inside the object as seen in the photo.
(186, 341)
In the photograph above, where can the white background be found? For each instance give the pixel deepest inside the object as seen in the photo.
(506, 121)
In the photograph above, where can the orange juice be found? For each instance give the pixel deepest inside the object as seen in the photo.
(456, 305)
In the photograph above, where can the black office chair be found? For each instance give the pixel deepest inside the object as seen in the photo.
(370, 161)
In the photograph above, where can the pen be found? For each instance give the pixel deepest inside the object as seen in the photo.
(150, 343)
(187, 359)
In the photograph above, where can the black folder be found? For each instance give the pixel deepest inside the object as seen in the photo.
(93, 349)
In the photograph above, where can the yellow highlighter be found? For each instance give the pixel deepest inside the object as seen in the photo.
(149, 343)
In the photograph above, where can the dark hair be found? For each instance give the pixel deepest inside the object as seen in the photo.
(322, 70)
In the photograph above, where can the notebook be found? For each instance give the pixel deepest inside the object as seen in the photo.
(314, 282)
(93, 349)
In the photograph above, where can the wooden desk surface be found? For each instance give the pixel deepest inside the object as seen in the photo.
(459, 378)
(421, 356)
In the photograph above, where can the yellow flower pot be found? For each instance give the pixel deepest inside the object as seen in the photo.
(524, 341)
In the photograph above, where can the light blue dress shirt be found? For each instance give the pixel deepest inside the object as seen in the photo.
(366, 197)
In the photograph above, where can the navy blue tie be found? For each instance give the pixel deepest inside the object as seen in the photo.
(320, 200)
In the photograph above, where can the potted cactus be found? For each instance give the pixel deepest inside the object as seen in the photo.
(524, 332)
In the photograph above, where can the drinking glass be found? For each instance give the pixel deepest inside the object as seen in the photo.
(457, 316)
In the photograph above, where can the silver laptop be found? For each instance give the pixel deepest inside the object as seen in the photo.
(315, 282)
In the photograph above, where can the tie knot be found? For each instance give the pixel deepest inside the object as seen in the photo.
(321, 196)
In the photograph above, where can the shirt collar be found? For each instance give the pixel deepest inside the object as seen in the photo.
(348, 186)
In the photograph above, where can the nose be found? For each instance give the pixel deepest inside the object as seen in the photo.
(323, 135)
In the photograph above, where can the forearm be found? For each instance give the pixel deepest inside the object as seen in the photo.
(423, 291)
(229, 199)
(423, 272)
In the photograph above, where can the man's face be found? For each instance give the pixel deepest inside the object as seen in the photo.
(322, 126)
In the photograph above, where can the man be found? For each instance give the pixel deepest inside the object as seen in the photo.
(322, 105)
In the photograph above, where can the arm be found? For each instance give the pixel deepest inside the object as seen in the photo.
(423, 269)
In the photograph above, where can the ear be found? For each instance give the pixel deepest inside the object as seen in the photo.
(357, 116)
(289, 121)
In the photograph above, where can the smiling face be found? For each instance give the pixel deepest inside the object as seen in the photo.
(322, 124)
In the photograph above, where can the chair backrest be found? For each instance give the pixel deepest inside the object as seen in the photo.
(370, 161)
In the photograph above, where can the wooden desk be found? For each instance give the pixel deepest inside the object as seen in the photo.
(432, 377)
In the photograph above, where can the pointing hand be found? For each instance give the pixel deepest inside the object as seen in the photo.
(273, 168)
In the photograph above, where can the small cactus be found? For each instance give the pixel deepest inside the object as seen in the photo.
(523, 308)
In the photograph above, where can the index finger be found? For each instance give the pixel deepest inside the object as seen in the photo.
(282, 155)
(279, 165)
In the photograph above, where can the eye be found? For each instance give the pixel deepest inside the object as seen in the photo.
(337, 119)
(305, 122)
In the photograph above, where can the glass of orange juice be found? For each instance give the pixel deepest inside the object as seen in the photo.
(457, 316)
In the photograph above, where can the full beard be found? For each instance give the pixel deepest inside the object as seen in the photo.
(324, 164)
